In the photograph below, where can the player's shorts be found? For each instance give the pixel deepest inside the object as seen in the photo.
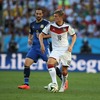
(62, 56)
(35, 53)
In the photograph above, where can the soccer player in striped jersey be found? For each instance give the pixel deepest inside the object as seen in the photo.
(61, 52)
(35, 53)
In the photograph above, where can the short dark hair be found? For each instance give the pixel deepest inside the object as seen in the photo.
(40, 8)
(60, 12)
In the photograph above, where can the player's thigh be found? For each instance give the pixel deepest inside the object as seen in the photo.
(66, 59)
(52, 61)
(32, 54)
(44, 56)
(29, 62)
(55, 55)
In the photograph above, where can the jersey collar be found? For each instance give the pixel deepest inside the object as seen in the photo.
(39, 21)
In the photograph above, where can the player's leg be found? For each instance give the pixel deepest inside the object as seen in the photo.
(30, 58)
(53, 60)
(64, 84)
(51, 68)
(58, 71)
(54, 70)
(66, 60)
(28, 63)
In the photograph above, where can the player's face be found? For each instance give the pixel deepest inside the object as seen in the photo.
(38, 15)
(57, 18)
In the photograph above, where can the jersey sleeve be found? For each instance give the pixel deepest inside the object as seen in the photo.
(46, 29)
(71, 30)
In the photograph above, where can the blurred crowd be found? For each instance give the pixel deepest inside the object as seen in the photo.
(83, 15)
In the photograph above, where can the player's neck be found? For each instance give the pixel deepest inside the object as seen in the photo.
(60, 23)
(39, 20)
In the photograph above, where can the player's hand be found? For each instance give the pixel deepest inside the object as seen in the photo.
(29, 41)
(42, 49)
(70, 48)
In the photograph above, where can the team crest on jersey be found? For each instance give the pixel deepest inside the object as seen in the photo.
(64, 29)
(42, 26)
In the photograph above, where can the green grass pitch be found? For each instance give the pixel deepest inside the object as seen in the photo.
(82, 86)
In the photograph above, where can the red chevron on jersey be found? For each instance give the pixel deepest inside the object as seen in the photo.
(59, 34)
(58, 30)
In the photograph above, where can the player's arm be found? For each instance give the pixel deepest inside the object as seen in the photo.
(30, 38)
(41, 36)
(72, 33)
(46, 31)
(47, 36)
(72, 43)
(44, 34)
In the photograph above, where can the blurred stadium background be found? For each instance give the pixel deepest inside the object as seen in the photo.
(83, 15)
(15, 17)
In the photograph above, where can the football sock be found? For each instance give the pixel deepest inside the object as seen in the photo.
(52, 73)
(26, 81)
(58, 72)
(26, 75)
(64, 78)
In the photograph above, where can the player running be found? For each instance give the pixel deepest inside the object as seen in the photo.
(35, 53)
(61, 52)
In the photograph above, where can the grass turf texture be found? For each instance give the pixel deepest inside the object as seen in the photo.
(82, 86)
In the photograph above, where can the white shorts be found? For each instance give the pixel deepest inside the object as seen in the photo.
(62, 56)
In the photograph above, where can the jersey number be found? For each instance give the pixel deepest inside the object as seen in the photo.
(59, 37)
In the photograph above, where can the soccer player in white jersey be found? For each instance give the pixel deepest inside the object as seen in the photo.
(59, 31)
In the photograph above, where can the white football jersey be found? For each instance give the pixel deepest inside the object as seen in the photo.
(59, 34)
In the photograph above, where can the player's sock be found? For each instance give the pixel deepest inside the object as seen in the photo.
(64, 83)
(26, 75)
(58, 72)
(52, 73)
(64, 78)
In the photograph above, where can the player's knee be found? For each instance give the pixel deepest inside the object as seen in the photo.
(28, 62)
(51, 63)
(51, 66)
